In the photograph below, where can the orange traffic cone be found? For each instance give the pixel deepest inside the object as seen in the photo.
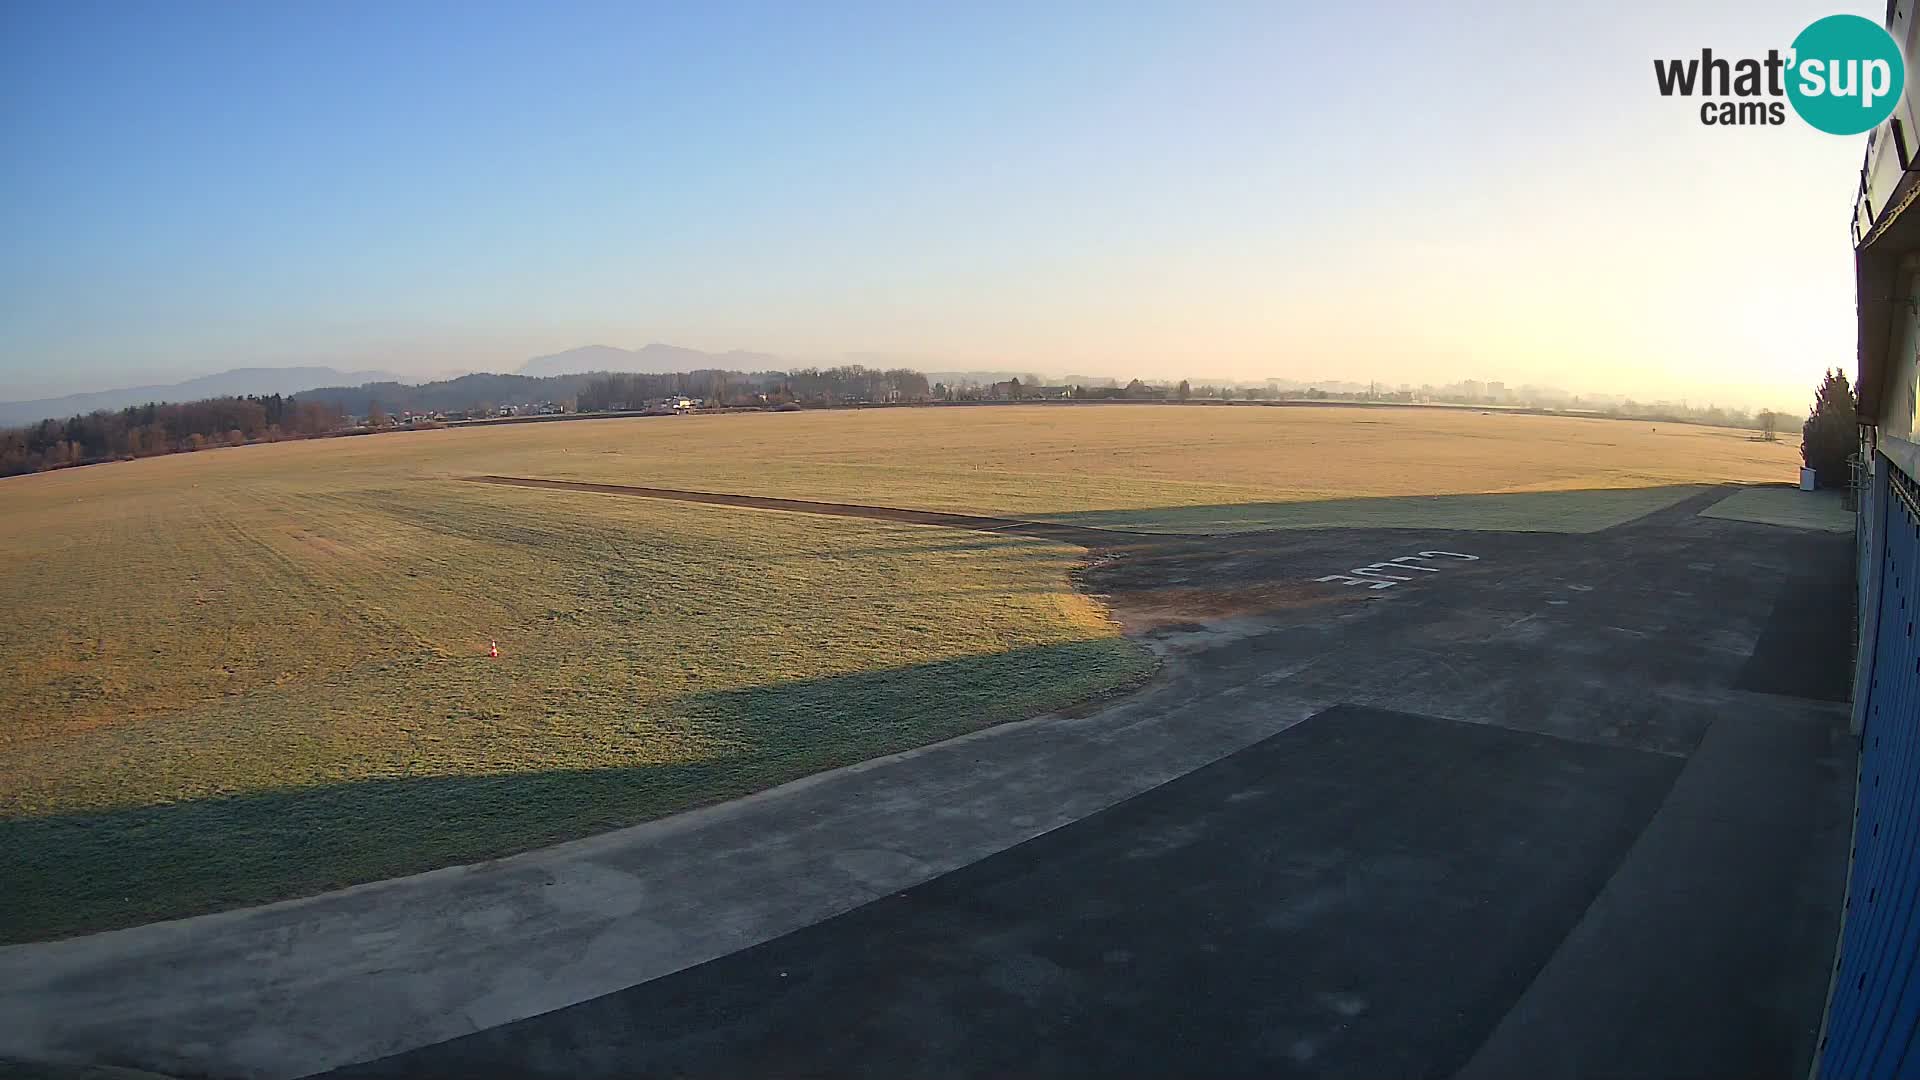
(493, 649)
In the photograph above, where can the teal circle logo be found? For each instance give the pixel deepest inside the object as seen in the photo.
(1846, 75)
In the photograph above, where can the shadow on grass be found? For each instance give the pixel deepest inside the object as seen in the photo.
(1576, 511)
(85, 871)
(1582, 510)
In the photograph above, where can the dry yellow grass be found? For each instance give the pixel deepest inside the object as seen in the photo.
(245, 674)
(1143, 467)
(250, 673)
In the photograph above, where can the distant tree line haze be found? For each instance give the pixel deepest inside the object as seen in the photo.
(147, 430)
(153, 429)
(734, 389)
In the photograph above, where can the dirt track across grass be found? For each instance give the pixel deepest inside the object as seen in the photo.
(1070, 533)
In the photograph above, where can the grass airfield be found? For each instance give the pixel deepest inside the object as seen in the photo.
(242, 676)
(247, 674)
(1156, 468)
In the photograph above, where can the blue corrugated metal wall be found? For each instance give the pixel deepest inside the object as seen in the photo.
(1873, 1019)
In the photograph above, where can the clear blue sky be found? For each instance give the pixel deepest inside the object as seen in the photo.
(1396, 191)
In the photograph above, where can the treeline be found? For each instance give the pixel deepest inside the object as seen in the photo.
(466, 393)
(851, 384)
(150, 430)
(601, 391)
(1710, 416)
(615, 391)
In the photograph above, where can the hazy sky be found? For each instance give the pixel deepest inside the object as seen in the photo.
(1397, 191)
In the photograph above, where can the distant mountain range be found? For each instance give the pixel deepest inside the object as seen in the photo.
(563, 375)
(239, 381)
(651, 359)
(356, 390)
(556, 376)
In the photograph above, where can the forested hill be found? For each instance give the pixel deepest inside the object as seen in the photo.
(167, 428)
(618, 390)
(451, 395)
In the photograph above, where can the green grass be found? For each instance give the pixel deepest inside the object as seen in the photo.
(232, 682)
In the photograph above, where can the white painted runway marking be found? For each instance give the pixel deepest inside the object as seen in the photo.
(1390, 572)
